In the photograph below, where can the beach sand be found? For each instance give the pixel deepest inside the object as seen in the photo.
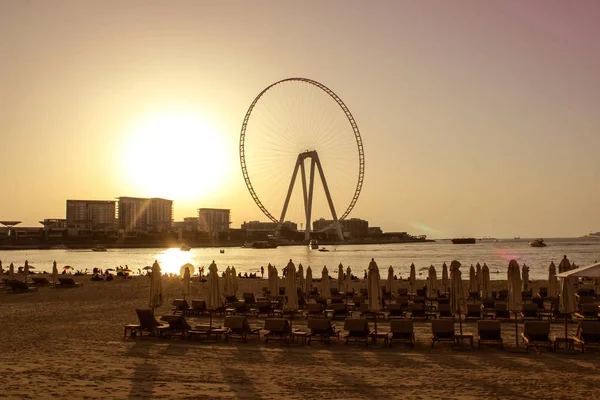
(68, 343)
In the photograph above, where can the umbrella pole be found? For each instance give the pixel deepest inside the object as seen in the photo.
(565, 329)
(460, 322)
(516, 331)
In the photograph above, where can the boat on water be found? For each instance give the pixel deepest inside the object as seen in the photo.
(313, 245)
(222, 251)
(185, 247)
(264, 244)
(323, 249)
(59, 247)
(99, 247)
(595, 235)
(537, 243)
(463, 240)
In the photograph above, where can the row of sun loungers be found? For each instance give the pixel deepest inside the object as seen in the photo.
(17, 286)
(536, 333)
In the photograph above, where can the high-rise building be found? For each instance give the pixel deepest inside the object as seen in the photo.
(92, 215)
(213, 220)
(145, 215)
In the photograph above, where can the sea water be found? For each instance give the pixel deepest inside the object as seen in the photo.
(496, 255)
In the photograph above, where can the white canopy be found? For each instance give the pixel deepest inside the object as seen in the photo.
(590, 271)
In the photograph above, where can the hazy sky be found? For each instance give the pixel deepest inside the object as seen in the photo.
(477, 117)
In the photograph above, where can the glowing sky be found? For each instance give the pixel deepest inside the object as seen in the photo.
(478, 118)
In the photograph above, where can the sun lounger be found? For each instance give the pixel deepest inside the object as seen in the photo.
(502, 310)
(249, 298)
(402, 292)
(314, 310)
(263, 308)
(147, 323)
(417, 310)
(40, 281)
(358, 330)
(16, 286)
(445, 310)
(238, 327)
(181, 306)
(402, 331)
(537, 334)
(339, 310)
(442, 331)
(65, 282)
(395, 310)
(198, 307)
(322, 330)
(177, 325)
(530, 311)
(588, 333)
(277, 328)
(489, 332)
(473, 311)
(588, 311)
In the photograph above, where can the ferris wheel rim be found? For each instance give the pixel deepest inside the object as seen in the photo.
(351, 120)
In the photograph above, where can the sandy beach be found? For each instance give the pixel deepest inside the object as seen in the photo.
(68, 343)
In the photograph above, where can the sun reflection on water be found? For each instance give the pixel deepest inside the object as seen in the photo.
(171, 260)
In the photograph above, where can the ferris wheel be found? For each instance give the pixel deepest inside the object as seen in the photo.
(298, 126)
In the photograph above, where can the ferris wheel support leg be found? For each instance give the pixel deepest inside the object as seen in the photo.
(304, 190)
(336, 222)
(290, 189)
(311, 183)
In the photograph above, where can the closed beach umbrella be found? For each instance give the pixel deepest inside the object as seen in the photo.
(234, 281)
(11, 272)
(291, 291)
(389, 284)
(273, 289)
(479, 277)
(325, 288)
(325, 285)
(54, 273)
(1, 269)
(156, 293)
(227, 283)
(457, 295)
(525, 274)
(568, 302)
(514, 300)
(486, 284)
(472, 280)
(309, 280)
(445, 280)
(348, 279)
(340, 280)
(213, 297)
(552, 284)
(300, 275)
(374, 289)
(187, 283)
(564, 265)
(412, 278)
(432, 283)
(26, 271)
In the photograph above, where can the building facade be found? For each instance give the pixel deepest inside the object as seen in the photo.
(138, 214)
(352, 228)
(214, 220)
(91, 215)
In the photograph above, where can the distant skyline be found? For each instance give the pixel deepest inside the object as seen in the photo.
(477, 118)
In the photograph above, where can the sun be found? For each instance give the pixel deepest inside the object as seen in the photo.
(175, 154)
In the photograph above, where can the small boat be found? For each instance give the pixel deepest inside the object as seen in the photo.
(537, 243)
(313, 245)
(463, 240)
(222, 251)
(323, 249)
(185, 247)
(99, 248)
